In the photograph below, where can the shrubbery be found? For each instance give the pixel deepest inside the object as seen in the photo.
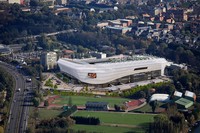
(86, 120)
(69, 111)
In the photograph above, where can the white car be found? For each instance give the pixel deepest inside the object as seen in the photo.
(19, 89)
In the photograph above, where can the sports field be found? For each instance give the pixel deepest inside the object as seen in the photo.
(106, 129)
(47, 114)
(81, 100)
(119, 117)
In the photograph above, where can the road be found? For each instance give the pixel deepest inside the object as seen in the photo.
(19, 109)
(47, 34)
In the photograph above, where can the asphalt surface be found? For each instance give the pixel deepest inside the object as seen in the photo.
(19, 109)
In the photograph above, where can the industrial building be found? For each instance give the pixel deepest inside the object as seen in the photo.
(116, 69)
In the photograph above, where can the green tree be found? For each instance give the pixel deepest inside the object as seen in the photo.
(46, 103)
(70, 102)
(153, 105)
(36, 102)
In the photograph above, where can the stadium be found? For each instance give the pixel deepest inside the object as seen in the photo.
(111, 70)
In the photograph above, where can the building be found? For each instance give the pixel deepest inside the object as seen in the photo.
(49, 60)
(190, 95)
(98, 55)
(121, 30)
(183, 103)
(160, 97)
(97, 106)
(120, 22)
(177, 94)
(124, 69)
(5, 50)
(177, 14)
(16, 1)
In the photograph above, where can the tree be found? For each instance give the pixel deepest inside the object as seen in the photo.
(36, 102)
(34, 3)
(153, 105)
(70, 102)
(117, 108)
(46, 103)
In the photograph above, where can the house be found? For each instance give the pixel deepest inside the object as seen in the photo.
(97, 106)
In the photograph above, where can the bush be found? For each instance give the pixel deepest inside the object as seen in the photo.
(46, 103)
(69, 111)
(86, 120)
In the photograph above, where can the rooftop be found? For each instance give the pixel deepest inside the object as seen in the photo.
(189, 94)
(177, 93)
(185, 102)
(113, 59)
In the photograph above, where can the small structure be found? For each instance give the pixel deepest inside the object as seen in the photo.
(97, 106)
(184, 103)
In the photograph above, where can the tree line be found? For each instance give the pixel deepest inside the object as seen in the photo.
(86, 120)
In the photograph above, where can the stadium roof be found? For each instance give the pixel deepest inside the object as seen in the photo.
(113, 59)
(184, 102)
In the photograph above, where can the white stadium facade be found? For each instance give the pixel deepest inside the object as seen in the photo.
(123, 69)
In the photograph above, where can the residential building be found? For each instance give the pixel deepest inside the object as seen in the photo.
(121, 30)
(49, 60)
(177, 14)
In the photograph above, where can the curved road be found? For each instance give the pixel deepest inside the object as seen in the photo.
(18, 115)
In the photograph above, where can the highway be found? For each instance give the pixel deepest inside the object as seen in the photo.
(19, 109)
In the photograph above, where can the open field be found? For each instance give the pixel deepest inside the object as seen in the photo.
(47, 113)
(148, 108)
(119, 118)
(106, 129)
(81, 100)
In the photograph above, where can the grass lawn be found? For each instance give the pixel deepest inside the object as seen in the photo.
(47, 113)
(119, 118)
(106, 129)
(147, 108)
(81, 100)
